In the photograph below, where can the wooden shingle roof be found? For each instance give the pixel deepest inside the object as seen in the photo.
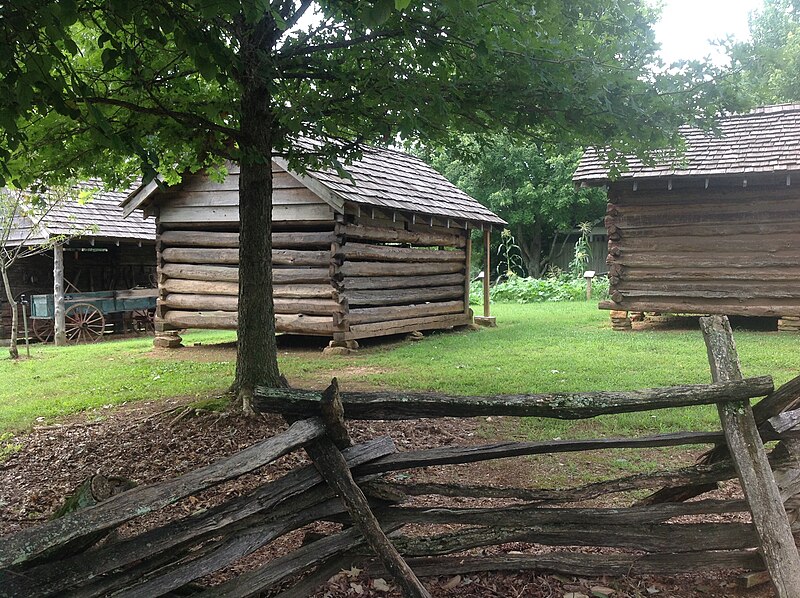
(765, 140)
(394, 180)
(100, 217)
(382, 178)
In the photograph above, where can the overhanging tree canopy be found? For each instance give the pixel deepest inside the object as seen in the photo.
(123, 86)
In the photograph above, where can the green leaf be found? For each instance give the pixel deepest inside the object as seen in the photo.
(377, 15)
(401, 4)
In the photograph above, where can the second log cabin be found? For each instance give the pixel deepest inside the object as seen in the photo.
(386, 252)
(713, 232)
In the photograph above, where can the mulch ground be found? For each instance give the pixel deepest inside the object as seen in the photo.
(149, 442)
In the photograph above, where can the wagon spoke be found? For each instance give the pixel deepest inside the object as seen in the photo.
(85, 322)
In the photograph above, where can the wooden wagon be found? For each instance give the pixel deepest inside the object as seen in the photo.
(85, 313)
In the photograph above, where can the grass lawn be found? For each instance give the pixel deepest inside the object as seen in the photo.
(536, 348)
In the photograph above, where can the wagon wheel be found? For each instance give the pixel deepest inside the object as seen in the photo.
(143, 320)
(84, 322)
(43, 329)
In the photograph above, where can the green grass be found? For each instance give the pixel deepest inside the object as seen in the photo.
(536, 348)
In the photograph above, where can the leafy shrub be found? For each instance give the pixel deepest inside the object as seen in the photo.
(516, 289)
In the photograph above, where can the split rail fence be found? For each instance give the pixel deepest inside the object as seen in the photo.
(77, 555)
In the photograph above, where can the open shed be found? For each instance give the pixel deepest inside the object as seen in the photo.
(384, 253)
(714, 233)
(103, 251)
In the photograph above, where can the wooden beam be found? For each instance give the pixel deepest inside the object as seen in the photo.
(60, 337)
(396, 405)
(755, 474)
(487, 248)
(331, 464)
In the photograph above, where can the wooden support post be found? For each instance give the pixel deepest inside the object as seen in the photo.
(59, 323)
(747, 451)
(487, 320)
(487, 270)
(334, 469)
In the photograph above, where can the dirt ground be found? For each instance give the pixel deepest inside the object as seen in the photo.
(148, 442)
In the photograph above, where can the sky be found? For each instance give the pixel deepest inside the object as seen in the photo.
(687, 25)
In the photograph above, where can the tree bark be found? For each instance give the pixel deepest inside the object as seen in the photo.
(13, 350)
(256, 361)
(530, 246)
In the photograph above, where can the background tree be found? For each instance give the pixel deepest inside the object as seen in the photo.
(768, 65)
(527, 183)
(125, 86)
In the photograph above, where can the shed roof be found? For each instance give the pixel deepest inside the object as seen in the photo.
(765, 140)
(388, 179)
(100, 217)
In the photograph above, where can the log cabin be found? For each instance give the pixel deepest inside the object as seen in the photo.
(715, 231)
(101, 250)
(384, 252)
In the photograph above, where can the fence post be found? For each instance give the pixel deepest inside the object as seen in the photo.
(755, 474)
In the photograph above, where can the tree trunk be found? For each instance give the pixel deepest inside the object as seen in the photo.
(256, 361)
(13, 350)
(530, 245)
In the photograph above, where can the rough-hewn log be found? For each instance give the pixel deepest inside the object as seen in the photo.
(290, 257)
(750, 459)
(786, 397)
(409, 405)
(206, 320)
(777, 308)
(223, 320)
(334, 470)
(695, 474)
(179, 238)
(231, 274)
(28, 544)
(387, 253)
(500, 450)
(670, 537)
(400, 282)
(251, 583)
(200, 287)
(587, 565)
(399, 269)
(228, 303)
(177, 535)
(226, 552)
(286, 291)
(534, 515)
(441, 322)
(366, 315)
(178, 255)
(298, 291)
(400, 296)
(394, 235)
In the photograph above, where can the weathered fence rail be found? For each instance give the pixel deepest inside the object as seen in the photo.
(346, 485)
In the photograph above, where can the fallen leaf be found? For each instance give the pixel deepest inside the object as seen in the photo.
(602, 591)
(453, 582)
(575, 595)
(380, 585)
(357, 588)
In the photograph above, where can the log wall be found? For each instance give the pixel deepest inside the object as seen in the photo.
(398, 275)
(726, 250)
(198, 245)
(346, 276)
